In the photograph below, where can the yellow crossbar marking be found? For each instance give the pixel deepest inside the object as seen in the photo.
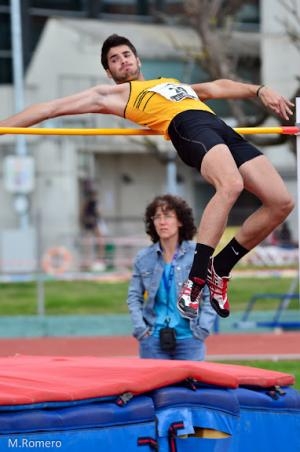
(288, 130)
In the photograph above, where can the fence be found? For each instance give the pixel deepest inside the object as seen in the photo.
(90, 253)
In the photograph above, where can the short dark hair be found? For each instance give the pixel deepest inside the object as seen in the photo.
(114, 41)
(183, 212)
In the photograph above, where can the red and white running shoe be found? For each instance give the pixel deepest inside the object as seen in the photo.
(218, 291)
(189, 298)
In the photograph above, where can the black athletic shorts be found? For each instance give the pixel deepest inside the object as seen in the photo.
(194, 132)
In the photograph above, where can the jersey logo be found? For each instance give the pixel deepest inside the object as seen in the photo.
(174, 92)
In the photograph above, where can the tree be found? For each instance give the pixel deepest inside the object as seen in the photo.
(214, 21)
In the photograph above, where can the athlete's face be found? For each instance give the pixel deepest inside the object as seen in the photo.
(123, 65)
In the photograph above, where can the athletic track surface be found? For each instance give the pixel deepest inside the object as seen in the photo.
(274, 346)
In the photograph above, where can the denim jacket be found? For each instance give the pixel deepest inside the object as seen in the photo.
(147, 272)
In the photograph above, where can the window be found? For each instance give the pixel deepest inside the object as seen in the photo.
(74, 5)
(5, 34)
(5, 69)
(248, 17)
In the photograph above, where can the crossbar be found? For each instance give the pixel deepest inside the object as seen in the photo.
(284, 130)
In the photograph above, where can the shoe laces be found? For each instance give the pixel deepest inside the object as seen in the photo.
(221, 286)
(219, 283)
(196, 288)
(191, 289)
(188, 287)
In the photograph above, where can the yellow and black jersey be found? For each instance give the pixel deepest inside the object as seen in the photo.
(154, 103)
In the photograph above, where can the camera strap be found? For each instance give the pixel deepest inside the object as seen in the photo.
(167, 282)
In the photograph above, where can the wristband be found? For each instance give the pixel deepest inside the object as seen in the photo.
(258, 90)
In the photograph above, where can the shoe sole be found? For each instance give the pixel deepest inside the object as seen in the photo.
(221, 312)
(187, 315)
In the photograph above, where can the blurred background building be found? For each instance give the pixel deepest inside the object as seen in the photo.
(61, 42)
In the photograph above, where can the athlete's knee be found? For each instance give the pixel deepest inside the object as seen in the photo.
(288, 205)
(231, 188)
(283, 207)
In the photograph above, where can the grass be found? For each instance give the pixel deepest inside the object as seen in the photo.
(289, 367)
(64, 297)
(242, 289)
(92, 297)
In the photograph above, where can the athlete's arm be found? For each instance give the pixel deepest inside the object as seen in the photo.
(225, 89)
(230, 89)
(92, 100)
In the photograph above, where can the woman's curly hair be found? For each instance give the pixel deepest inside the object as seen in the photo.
(182, 210)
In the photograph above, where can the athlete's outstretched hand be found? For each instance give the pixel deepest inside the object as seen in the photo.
(276, 102)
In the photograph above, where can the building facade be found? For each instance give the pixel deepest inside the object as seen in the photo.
(125, 171)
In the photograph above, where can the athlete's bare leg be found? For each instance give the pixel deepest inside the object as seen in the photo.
(220, 170)
(261, 179)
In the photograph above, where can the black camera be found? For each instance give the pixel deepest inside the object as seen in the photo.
(167, 339)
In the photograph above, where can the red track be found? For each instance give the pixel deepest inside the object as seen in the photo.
(219, 347)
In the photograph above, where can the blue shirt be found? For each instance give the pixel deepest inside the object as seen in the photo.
(165, 306)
